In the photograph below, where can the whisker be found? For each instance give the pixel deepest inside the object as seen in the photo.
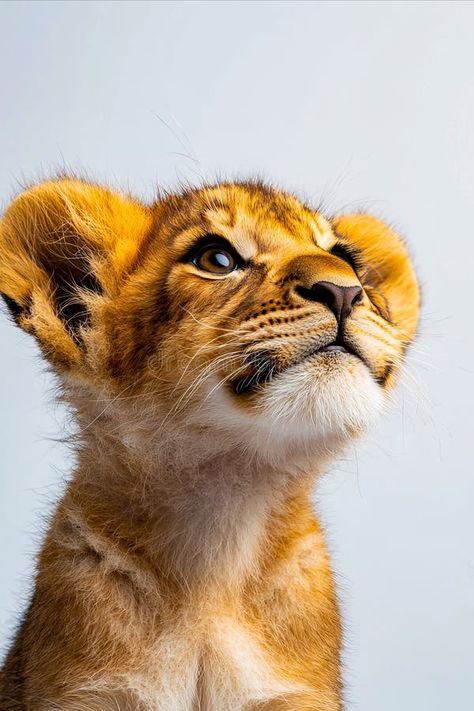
(207, 325)
(207, 372)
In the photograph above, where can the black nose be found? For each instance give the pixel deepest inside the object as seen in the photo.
(340, 299)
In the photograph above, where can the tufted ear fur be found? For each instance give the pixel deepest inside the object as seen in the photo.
(389, 270)
(63, 245)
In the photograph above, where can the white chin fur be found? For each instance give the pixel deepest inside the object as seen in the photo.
(311, 409)
(334, 402)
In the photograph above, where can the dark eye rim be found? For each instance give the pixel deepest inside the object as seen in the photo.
(210, 241)
(348, 255)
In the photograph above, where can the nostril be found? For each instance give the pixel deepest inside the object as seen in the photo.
(357, 298)
(321, 294)
(318, 292)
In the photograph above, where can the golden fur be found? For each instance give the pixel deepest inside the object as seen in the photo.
(184, 568)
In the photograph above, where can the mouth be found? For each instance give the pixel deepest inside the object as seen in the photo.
(263, 366)
(334, 348)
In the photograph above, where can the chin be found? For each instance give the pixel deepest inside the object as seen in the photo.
(306, 414)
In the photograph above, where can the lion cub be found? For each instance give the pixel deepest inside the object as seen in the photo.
(217, 348)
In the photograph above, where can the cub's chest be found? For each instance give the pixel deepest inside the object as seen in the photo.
(228, 670)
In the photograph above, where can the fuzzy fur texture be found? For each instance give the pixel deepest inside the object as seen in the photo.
(184, 568)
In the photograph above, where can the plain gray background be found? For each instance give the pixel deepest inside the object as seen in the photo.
(360, 103)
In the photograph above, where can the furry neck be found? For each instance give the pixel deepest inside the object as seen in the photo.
(189, 505)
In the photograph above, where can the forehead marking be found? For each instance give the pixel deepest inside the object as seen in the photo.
(264, 223)
(221, 216)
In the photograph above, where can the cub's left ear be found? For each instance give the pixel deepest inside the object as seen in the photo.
(64, 245)
(386, 266)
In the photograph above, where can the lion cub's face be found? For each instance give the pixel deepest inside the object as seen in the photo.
(233, 309)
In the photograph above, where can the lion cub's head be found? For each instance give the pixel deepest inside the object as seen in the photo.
(232, 310)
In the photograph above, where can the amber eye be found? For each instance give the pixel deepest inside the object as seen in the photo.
(216, 260)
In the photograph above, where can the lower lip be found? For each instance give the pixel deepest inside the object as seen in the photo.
(333, 349)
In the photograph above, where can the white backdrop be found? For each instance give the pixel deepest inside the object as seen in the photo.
(360, 103)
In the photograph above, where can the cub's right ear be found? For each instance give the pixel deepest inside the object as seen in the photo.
(66, 246)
